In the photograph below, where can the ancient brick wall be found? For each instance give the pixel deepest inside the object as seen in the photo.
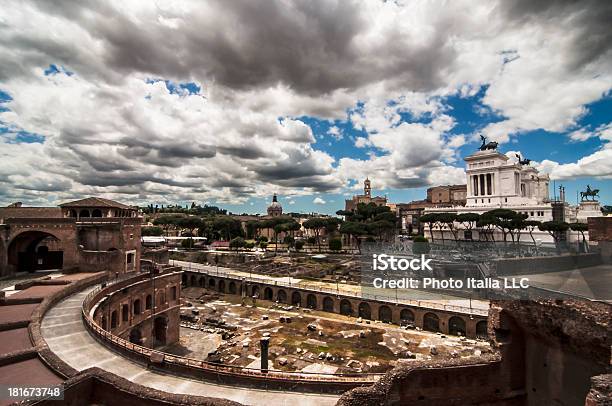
(130, 310)
(600, 228)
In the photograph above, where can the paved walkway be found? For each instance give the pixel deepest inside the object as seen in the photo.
(63, 329)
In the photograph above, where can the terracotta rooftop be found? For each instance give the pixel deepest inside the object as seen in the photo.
(95, 202)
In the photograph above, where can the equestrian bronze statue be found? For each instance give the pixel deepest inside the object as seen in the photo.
(593, 193)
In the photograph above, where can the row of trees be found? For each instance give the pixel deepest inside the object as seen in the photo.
(211, 227)
(369, 221)
(194, 209)
(508, 222)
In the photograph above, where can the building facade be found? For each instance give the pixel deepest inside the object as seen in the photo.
(91, 234)
(494, 181)
(365, 198)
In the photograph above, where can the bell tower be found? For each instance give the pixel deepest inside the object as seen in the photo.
(367, 188)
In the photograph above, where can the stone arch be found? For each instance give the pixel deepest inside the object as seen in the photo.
(160, 327)
(456, 326)
(72, 213)
(384, 314)
(311, 301)
(481, 329)
(296, 298)
(268, 293)
(431, 322)
(281, 296)
(221, 286)
(24, 251)
(84, 213)
(232, 287)
(328, 304)
(193, 280)
(255, 291)
(114, 320)
(406, 316)
(148, 302)
(346, 308)
(202, 282)
(365, 312)
(137, 306)
(135, 336)
(211, 283)
(96, 213)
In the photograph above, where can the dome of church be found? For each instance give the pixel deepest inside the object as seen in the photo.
(275, 208)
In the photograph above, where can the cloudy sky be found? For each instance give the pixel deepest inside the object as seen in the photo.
(226, 102)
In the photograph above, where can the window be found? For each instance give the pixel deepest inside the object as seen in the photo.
(137, 308)
(130, 258)
(114, 319)
(125, 313)
(148, 302)
(531, 214)
(505, 200)
(173, 292)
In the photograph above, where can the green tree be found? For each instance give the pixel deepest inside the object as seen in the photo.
(420, 245)
(187, 243)
(335, 244)
(556, 229)
(430, 219)
(582, 228)
(189, 223)
(469, 220)
(531, 225)
(237, 243)
(448, 220)
(152, 231)
(355, 230)
(316, 224)
(167, 222)
(488, 224)
(504, 219)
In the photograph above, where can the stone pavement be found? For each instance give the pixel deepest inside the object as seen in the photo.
(63, 330)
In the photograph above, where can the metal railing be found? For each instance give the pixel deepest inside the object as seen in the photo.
(125, 345)
(220, 272)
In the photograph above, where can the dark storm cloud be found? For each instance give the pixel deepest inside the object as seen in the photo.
(310, 46)
(251, 151)
(124, 178)
(588, 21)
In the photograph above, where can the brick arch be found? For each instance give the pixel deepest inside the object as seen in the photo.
(22, 254)
(365, 311)
(456, 326)
(431, 322)
(328, 304)
(296, 298)
(311, 301)
(346, 308)
(384, 314)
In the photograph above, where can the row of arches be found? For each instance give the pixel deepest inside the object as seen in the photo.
(86, 213)
(211, 283)
(430, 321)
